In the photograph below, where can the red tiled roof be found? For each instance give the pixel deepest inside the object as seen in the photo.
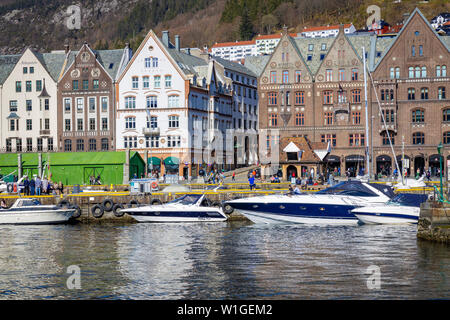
(272, 36)
(232, 44)
(348, 25)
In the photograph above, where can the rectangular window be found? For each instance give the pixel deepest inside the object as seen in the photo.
(174, 122)
(411, 94)
(12, 124)
(130, 102)
(92, 124)
(273, 120)
(328, 118)
(356, 140)
(28, 87)
(354, 74)
(148, 62)
(92, 102)
(157, 81)
(104, 124)
(328, 97)
(31, 69)
(173, 102)
(18, 86)
(145, 82)
(95, 84)
(46, 104)
(329, 75)
(135, 82)
(75, 85)
(85, 84)
(273, 77)
(130, 123)
(66, 124)
(155, 62)
(29, 144)
(25, 70)
(272, 98)
(104, 104)
(298, 76)
(168, 81)
(285, 76)
(152, 142)
(80, 105)
(300, 97)
(29, 124)
(13, 105)
(38, 85)
(356, 117)
(79, 124)
(19, 145)
(441, 93)
(329, 138)
(341, 74)
(152, 102)
(47, 124)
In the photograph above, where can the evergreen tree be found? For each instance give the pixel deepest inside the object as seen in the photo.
(246, 26)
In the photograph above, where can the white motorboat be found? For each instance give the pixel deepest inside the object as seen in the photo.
(31, 211)
(329, 206)
(188, 208)
(404, 208)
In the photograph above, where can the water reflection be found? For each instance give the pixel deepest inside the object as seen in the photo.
(220, 261)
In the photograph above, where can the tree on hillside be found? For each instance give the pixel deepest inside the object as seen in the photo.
(246, 26)
(268, 22)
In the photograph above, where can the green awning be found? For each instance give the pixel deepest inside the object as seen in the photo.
(154, 161)
(171, 161)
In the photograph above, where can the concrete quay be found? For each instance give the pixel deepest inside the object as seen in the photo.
(434, 222)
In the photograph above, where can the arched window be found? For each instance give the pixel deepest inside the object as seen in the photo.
(441, 93)
(446, 137)
(417, 75)
(385, 138)
(411, 72)
(424, 93)
(446, 115)
(424, 72)
(418, 138)
(411, 94)
(418, 116)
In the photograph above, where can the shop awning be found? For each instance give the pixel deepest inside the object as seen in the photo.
(384, 158)
(435, 158)
(154, 161)
(354, 158)
(333, 158)
(170, 161)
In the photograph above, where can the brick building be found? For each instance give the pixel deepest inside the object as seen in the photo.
(314, 87)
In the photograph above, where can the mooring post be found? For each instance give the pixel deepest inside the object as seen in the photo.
(40, 165)
(126, 167)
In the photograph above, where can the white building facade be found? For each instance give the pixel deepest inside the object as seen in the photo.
(29, 103)
(326, 31)
(234, 51)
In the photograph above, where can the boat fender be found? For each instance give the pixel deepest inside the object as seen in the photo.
(156, 202)
(10, 188)
(133, 202)
(227, 209)
(108, 205)
(77, 212)
(154, 185)
(15, 187)
(63, 203)
(117, 210)
(97, 211)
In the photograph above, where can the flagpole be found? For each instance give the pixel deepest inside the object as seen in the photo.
(367, 115)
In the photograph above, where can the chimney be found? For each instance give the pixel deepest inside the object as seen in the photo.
(165, 38)
(177, 42)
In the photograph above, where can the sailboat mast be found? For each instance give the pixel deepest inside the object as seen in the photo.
(367, 116)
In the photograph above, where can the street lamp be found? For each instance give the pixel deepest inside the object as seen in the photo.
(439, 149)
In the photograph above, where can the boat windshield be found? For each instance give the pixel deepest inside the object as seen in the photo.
(29, 202)
(187, 199)
(408, 199)
(349, 188)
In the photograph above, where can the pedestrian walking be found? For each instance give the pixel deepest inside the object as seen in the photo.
(233, 178)
(32, 186)
(26, 186)
(38, 186)
(44, 185)
(251, 182)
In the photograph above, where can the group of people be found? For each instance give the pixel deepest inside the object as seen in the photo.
(94, 181)
(37, 186)
(215, 177)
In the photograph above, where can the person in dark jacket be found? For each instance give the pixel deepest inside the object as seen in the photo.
(32, 186)
(26, 186)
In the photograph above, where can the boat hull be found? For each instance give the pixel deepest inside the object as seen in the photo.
(38, 217)
(306, 213)
(387, 215)
(161, 215)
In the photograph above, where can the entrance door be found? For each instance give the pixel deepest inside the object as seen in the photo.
(291, 171)
(419, 164)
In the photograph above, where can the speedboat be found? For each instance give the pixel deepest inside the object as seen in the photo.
(31, 211)
(404, 208)
(188, 208)
(329, 206)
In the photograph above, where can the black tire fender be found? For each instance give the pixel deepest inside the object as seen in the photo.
(108, 205)
(77, 212)
(10, 188)
(227, 209)
(117, 210)
(133, 202)
(97, 211)
(156, 202)
(215, 204)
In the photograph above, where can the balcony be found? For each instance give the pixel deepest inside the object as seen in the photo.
(150, 131)
(44, 132)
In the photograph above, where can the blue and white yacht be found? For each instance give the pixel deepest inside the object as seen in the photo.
(188, 208)
(329, 206)
(404, 208)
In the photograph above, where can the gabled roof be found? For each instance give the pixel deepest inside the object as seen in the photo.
(405, 26)
(256, 64)
(7, 64)
(52, 62)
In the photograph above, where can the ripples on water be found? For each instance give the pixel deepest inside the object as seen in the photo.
(220, 261)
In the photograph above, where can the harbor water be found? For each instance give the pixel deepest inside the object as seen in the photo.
(237, 260)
